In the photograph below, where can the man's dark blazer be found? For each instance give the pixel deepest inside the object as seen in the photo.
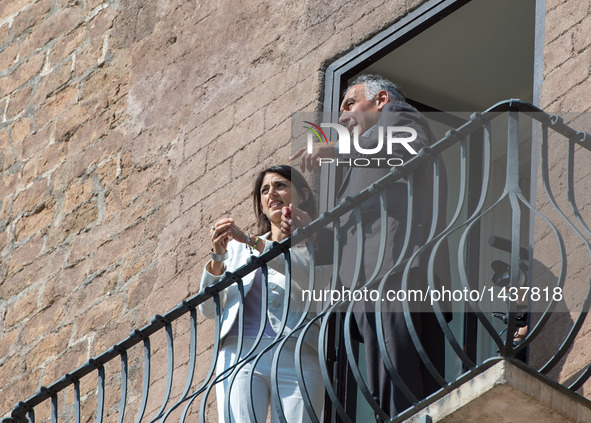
(357, 179)
(396, 336)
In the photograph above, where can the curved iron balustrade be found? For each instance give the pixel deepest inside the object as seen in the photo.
(194, 399)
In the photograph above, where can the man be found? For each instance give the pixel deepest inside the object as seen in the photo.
(372, 102)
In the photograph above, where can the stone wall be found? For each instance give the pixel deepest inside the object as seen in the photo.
(565, 91)
(126, 129)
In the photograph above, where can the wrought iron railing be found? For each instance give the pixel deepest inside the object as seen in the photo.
(476, 198)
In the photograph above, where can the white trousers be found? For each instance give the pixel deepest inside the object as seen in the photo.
(289, 391)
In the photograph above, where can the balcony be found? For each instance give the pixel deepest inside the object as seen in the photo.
(506, 221)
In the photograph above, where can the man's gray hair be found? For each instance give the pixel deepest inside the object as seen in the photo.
(375, 83)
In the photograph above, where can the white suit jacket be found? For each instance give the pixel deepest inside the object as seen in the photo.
(230, 297)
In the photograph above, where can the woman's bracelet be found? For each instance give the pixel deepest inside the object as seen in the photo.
(218, 257)
(248, 246)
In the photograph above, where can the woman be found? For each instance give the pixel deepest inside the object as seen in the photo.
(282, 199)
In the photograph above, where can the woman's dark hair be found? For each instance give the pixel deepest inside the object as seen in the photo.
(298, 182)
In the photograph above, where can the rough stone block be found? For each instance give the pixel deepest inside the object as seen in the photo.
(4, 139)
(22, 72)
(81, 218)
(56, 105)
(43, 322)
(9, 342)
(98, 315)
(564, 16)
(137, 260)
(22, 308)
(30, 16)
(20, 129)
(208, 131)
(8, 56)
(9, 8)
(8, 184)
(19, 102)
(92, 5)
(582, 34)
(112, 334)
(56, 25)
(36, 222)
(44, 161)
(566, 76)
(49, 347)
(12, 368)
(52, 82)
(140, 288)
(234, 140)
(108, 172)
(67, 44)
(558, 52)
(33, 197)
(77, 193)
(4, 33)
(72, 358)
(83, 243)
(112, 251)
(101, 23)
(68, 282)
(88, 56)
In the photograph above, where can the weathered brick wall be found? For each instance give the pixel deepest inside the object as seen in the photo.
(566, 91)
(126, 129)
